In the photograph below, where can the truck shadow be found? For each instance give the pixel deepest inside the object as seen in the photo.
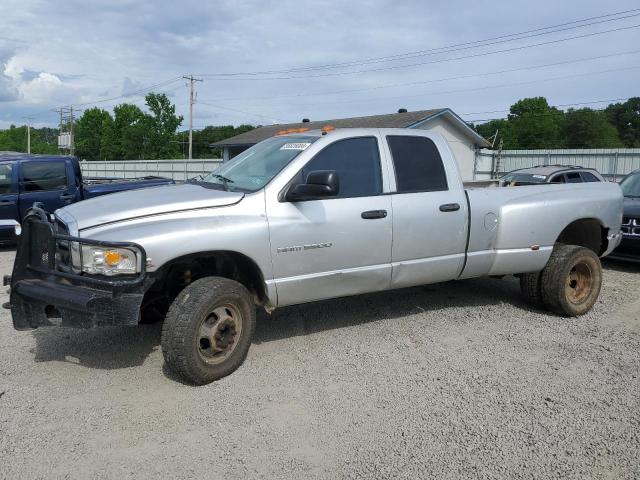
(123, 347)
(624, 266)
(101, 348)
(386, 306)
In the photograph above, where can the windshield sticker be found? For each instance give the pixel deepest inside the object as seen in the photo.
(294, 146)
(540, 176)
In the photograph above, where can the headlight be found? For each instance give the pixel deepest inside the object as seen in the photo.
(108, 261)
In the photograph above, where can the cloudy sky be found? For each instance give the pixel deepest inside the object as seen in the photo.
(265, 62)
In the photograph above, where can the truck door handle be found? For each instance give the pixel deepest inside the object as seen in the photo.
(372, 214)
(4, 203)
(67, 197)
(450, 207)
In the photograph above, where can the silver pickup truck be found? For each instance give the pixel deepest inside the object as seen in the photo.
(303, 216)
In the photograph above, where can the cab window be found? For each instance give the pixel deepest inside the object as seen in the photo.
(43, 176)
(357, 163)
(417, 163)
(6, 171)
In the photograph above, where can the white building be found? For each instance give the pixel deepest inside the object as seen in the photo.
(463, 139)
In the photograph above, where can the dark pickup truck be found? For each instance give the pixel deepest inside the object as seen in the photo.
(54, 181)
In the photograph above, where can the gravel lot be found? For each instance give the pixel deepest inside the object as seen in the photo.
(459, 380)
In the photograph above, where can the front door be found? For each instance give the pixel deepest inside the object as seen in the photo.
(337, 246)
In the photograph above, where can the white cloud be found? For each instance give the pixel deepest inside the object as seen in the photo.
(86, 51)
(45, 88)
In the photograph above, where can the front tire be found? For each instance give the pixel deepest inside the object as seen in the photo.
(571, 281)
(208, 330)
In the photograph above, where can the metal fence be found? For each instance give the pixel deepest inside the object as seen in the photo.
(612, 163)
(176, 169)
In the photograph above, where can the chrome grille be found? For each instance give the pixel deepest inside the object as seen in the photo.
(630, 227)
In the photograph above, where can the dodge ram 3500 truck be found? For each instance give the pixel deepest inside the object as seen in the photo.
(303, 216)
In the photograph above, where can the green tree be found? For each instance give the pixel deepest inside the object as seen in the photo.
(208, 135)
(89, 131)
(586, 128)
(535, 124)
(503, 128)
(124, 138)
(626, 118)
(14, 139)
(161, 126)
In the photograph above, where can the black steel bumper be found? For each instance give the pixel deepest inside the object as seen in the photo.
(46, 291)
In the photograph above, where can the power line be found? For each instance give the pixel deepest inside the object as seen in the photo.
(590, 102)
(257, 115)
(423, 82)
(448, 49)
(131, 93)
(475, 89)
(443, 60)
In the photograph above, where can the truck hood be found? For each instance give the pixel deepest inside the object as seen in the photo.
(146, 201)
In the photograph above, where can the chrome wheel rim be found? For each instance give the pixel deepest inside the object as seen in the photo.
(219, 333)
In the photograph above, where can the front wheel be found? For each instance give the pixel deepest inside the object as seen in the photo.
(208, 330)
(571, 281)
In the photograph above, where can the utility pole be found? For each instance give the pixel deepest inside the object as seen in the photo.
(29, 120)
(72, 145)
(192, 99)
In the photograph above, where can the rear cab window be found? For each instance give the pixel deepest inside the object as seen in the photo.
(44, 176)
(417, 163)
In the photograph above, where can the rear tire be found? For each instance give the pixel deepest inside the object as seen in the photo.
(208, 330)
(571, 281)
(531, 288)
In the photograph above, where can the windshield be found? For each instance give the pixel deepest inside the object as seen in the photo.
(631, 186)
(255, 167)
(523, 178)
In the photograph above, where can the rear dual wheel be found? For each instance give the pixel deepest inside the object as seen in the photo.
(569, 284)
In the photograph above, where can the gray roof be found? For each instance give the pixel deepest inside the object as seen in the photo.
(393, 120)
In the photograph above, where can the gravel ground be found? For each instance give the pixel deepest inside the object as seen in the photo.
(459, 380)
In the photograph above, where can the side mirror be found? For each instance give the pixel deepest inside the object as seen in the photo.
(320, 184)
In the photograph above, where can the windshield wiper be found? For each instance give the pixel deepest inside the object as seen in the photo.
(225, 180)
(196, 179)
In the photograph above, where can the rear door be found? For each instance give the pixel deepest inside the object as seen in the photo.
(48, 181)
(430, 213)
